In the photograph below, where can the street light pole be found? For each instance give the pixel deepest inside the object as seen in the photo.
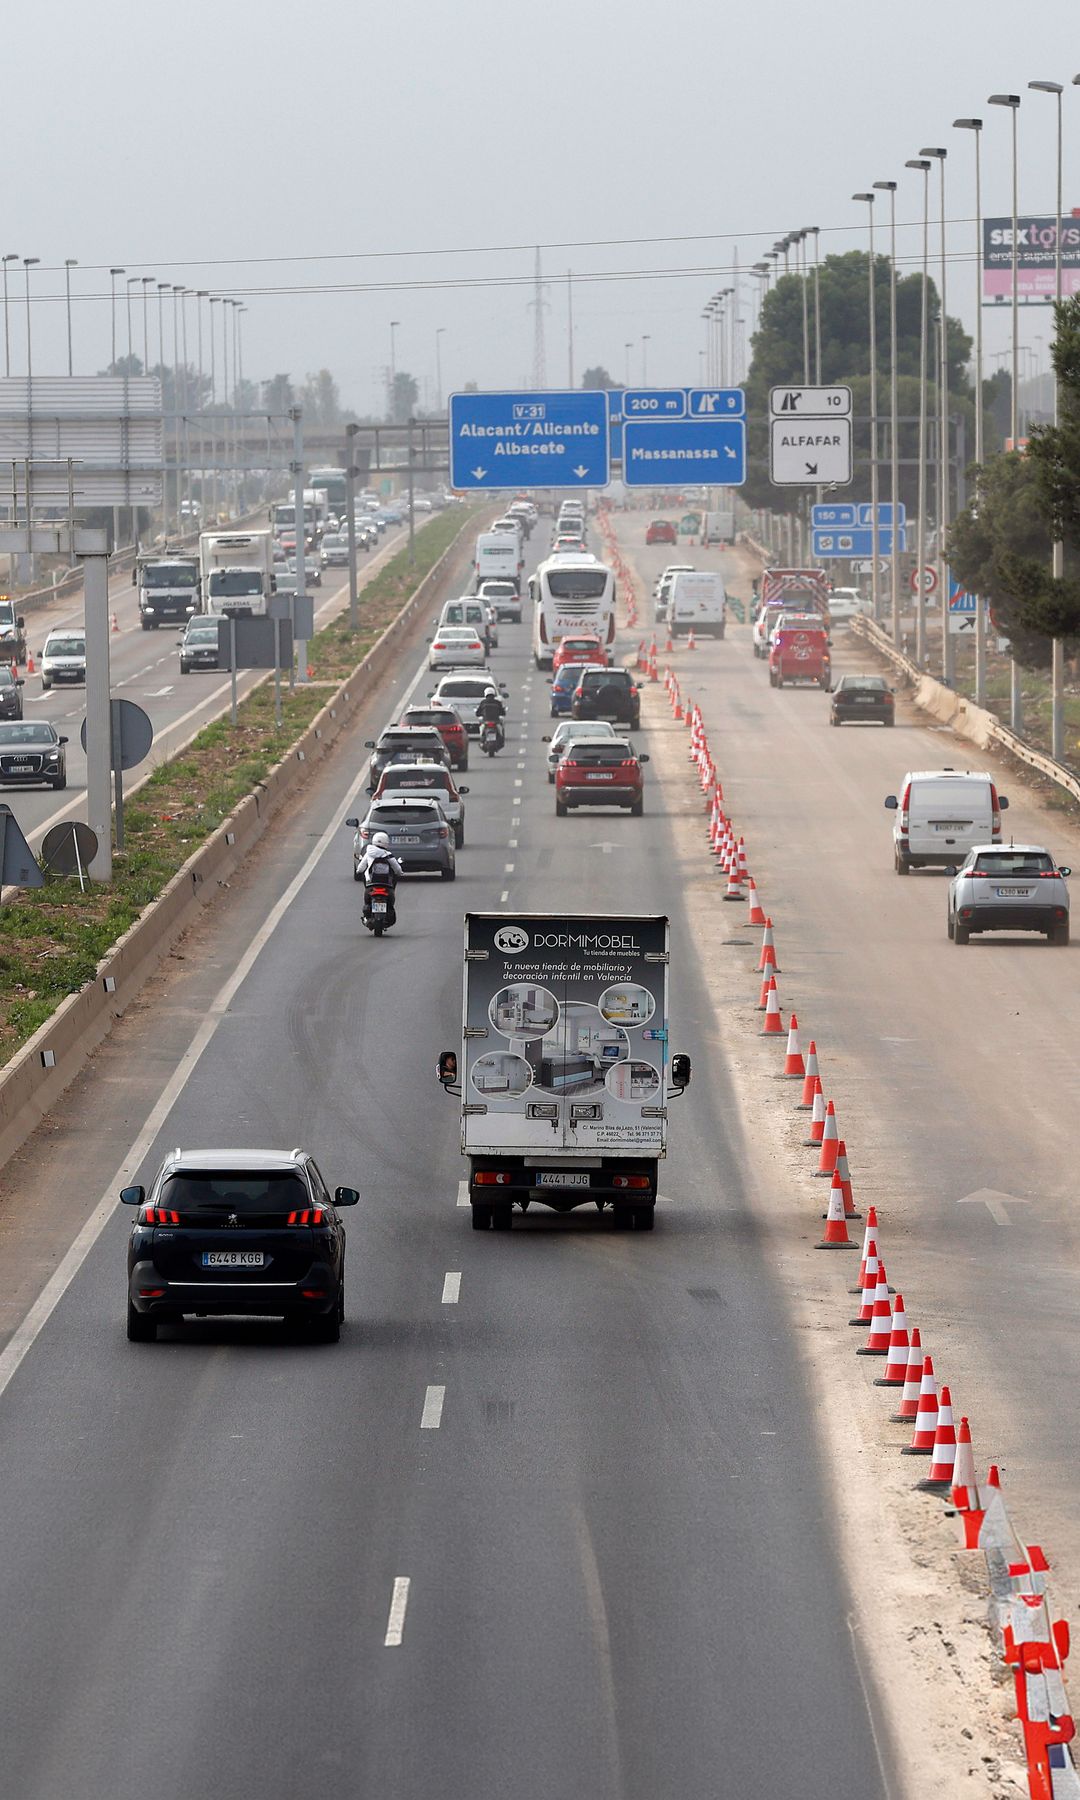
(394, 323)
(975, 127)
(1057, 647)
(923, 164)
(12, 256)
(815, 231)
(28, 263)
(645, 358)
(947, 660)
(872, 288)
(113, 273)
(70, 262)
(439, 330)
(1012, 101)
(889, 187)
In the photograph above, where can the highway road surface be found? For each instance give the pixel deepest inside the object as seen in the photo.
(549, 1521)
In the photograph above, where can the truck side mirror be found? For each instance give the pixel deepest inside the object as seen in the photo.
(448, 1069)
(680, 1071)
(891, 802)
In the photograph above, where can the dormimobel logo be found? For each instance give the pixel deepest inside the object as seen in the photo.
(511, 939)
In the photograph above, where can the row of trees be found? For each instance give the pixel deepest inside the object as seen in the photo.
(318, 393)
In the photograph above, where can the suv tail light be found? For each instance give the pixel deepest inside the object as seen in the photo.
(309, 1215)
(159, 1215)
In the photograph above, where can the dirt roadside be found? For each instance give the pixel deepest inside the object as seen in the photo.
(919, 1604)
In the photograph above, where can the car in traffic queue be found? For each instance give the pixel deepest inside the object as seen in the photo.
(472, 611)
(580, 647)
(502, 597)
(799, 652)
(12, 632)
(250, 1232)
(845, 604)
(570, 731)
(420, 834)
(411, 776)
(607, 694)
(867, 699)
(464, 689)
(334, 551)
(942, 814)
(661, 531)
(603, 772)
(449, 727)
(11, 687)
(396, 740)
(564, 685)
(456, 646)
(200, 645)
(32, 755)
(63, 659)
(1014, 887)
(312, 570)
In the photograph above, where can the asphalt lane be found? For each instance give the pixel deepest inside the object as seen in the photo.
(955, 1070)
(622, 1579)
(144, 667)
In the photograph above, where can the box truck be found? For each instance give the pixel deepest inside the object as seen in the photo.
(237, 572)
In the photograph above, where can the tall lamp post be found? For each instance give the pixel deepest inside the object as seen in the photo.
(70, 262)
(440, 329)
(394, 323)
(922, 163)
(113, 273)
(872, 289)
(815, 233)
(889, 187)
(1012, 101)
(28, 263)
(12, 256)
(939, 154)
(1057, 649)
(975, 127)
(646, 339)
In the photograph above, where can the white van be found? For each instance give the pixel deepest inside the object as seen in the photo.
(498, 557)
(697, 602)
(941, 814)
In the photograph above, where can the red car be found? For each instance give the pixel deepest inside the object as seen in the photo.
(800, 652)
(579, 650)
(448, 726)
(661, 531)
(600, 772)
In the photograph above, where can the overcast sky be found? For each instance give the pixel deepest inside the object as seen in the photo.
(241, 148)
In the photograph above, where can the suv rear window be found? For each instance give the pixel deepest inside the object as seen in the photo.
(1016, 862)
(608, 750)
(233, 1190)
(404, 815)
(598, 678)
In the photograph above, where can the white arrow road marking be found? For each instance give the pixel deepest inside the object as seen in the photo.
(451, 1289)
(158, 693)
(399, 1600)
(606, 849)
(994, 1202)
(431, 1417)
(463, 1193)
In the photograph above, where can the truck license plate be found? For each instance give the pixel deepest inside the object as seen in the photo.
(563, 1178)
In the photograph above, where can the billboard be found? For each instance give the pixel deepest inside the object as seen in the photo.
(1036, 251)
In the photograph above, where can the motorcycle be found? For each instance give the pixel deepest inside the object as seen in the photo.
(378, 914)
(491, 737)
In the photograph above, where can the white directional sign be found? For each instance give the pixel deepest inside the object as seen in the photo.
(810, 402)
(810, 452)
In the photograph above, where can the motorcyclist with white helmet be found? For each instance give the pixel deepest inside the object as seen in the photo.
(378, 861)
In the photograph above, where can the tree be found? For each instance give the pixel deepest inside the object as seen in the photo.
(124, 365)
(320, 399)
(779, 360)
(597, 378)
(278, 394)
(403, 398)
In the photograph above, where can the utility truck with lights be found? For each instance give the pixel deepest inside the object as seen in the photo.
(564, 1073)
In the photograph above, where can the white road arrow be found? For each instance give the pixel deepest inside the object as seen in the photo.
(994, 1203)
(606, 849)
(581, 471)
(478, 474)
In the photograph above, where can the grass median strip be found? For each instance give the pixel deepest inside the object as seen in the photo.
(53, 938)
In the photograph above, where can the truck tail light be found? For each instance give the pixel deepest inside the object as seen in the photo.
(638, 1182)
(491, 1178)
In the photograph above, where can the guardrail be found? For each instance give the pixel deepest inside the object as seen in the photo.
(961, 714)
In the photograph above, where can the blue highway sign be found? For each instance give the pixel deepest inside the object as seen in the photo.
(654, 403)
(960, 601)
(674, 452)
(828, 545)
(615, 418)
(884, 514)
(550, 439)
(715, 403)
(831, 517)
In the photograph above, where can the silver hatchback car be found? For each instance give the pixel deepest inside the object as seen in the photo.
(1014, 887)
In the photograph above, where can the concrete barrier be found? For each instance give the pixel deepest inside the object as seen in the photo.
(37, 1075)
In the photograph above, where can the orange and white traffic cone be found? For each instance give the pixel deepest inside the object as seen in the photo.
(794, 1067)
(817, 1117)
(867, 1288)
(767, 959)
(869, 1238)
(836, 1232)
(845, 1180)
(877, 1344)
(690, 644)
(31, 668)
(744, 867)
(115, 623)
(968, 1498)
(898, 1347)
(773, 1025)
(943, 1454)
(653, 671)
(678, 702)
(812, 1074)
(733, 891)
(756, 915)
(768, 980)
(909, 1399)
(922, 1440)
(830, 1139)
(668, 645)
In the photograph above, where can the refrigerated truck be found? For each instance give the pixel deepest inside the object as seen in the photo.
(564, 1074)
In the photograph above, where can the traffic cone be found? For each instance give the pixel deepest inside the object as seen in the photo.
(744, 867)
(829, 1141)
(690, 644)
(965, 1491)
(909, 1399)
(877, 1344)
(773, 1025)
(845, 1180)
(755, 916)
(767, 959)
(678, 702)
(733, 891)
(898, 1347)
(653, 672)
(943, 1455)
(115, 623)
(31, 668)
(812, 1074)
(768, 980)
(869, 1236)
(836, 1233)
(817, 1117)
(794, 1067)
(668, 645)
(922, 1440)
